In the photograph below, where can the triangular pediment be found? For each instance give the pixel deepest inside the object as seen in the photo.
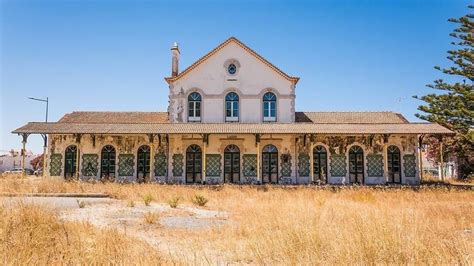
(219, 48)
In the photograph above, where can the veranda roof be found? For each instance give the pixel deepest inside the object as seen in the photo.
(230, 128)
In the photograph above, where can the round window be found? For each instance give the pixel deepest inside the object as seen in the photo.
(232, 69)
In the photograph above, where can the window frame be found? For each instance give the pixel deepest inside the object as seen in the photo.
(267, 107)
(194, 99)
(234, 104)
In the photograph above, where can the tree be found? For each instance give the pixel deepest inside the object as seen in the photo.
(37, 162)
(454, 107)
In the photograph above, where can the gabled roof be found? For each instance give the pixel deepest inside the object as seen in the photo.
(350, 118)
(300, 117)
(222, 45)
(115, 117)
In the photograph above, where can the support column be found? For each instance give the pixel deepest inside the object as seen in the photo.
(420, 155)
(311, 158)
(152, 152)
(257, 144)
(45, 151)
(78, 154)
(441, 155)
(204, 164)
(296, 160)
(23, 153)
(169, 171)
(205, 141)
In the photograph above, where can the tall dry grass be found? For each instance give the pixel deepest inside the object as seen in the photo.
(33, 235)
(276, 225)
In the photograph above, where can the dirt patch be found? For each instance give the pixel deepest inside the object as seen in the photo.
(130, 220)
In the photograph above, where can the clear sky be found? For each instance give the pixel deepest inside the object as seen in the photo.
(112, 55)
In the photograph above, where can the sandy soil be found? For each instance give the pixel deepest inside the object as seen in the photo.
(165, 234)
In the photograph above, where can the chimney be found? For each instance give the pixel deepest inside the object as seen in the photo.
(174, 59)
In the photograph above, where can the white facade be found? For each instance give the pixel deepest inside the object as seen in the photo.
(212, 80)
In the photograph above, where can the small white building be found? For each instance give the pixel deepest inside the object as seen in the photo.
(12, 160)
(231, 119)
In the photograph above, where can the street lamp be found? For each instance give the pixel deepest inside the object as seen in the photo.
(42, 100)
(45, 137)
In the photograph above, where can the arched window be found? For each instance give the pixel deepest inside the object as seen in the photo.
(232, 107)
(70, 161)
(193, 164)
(269, 107)
(320, 163)
(194, 107)
(270, 164)
(107, 163)
(356, 165)
(232, 164)
(143, 163)
(393, 163)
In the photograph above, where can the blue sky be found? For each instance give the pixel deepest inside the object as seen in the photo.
(112, 55)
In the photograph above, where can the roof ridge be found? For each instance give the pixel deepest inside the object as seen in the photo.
(117, 112)
(393, 112)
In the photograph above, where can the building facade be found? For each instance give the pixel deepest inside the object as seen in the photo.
(231, 119)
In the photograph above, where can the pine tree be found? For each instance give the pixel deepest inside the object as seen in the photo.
(453, 108)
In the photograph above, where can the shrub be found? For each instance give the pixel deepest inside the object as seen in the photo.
(199, 200)
(131, 203)
(147, 199)
(150, 217)
(174, 201)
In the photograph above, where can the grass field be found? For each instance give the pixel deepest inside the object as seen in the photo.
(266, 225)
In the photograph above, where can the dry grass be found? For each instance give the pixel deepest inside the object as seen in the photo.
(34, 235)
(150, 217)
(275, 225)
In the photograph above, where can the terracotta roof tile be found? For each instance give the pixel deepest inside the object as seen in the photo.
(301, 117)
(115, 117)
(349, 117)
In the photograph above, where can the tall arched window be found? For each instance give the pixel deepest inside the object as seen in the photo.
(70, 161)
(393, 163)
(269, 107)
(356, 165)
(194, 107)
(232, 107)
(270, 164)
(232, 164)
(320, 163)
(193, 164)
(107, 163)
(143, 163)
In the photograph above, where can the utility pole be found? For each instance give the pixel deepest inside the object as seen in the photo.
(45, 136)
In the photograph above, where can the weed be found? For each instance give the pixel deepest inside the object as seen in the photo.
(150, 217)
(174, 202)
(147, 199)
(199, 200)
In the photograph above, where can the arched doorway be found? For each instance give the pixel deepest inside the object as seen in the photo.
(143, 163)
(270, 164)
(356, 165)
(193, 164)
(320, 163)
(232, 164)
(107, 163)
(70, 161)
(393, 163)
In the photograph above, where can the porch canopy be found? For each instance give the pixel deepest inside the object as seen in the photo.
(229, 128)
